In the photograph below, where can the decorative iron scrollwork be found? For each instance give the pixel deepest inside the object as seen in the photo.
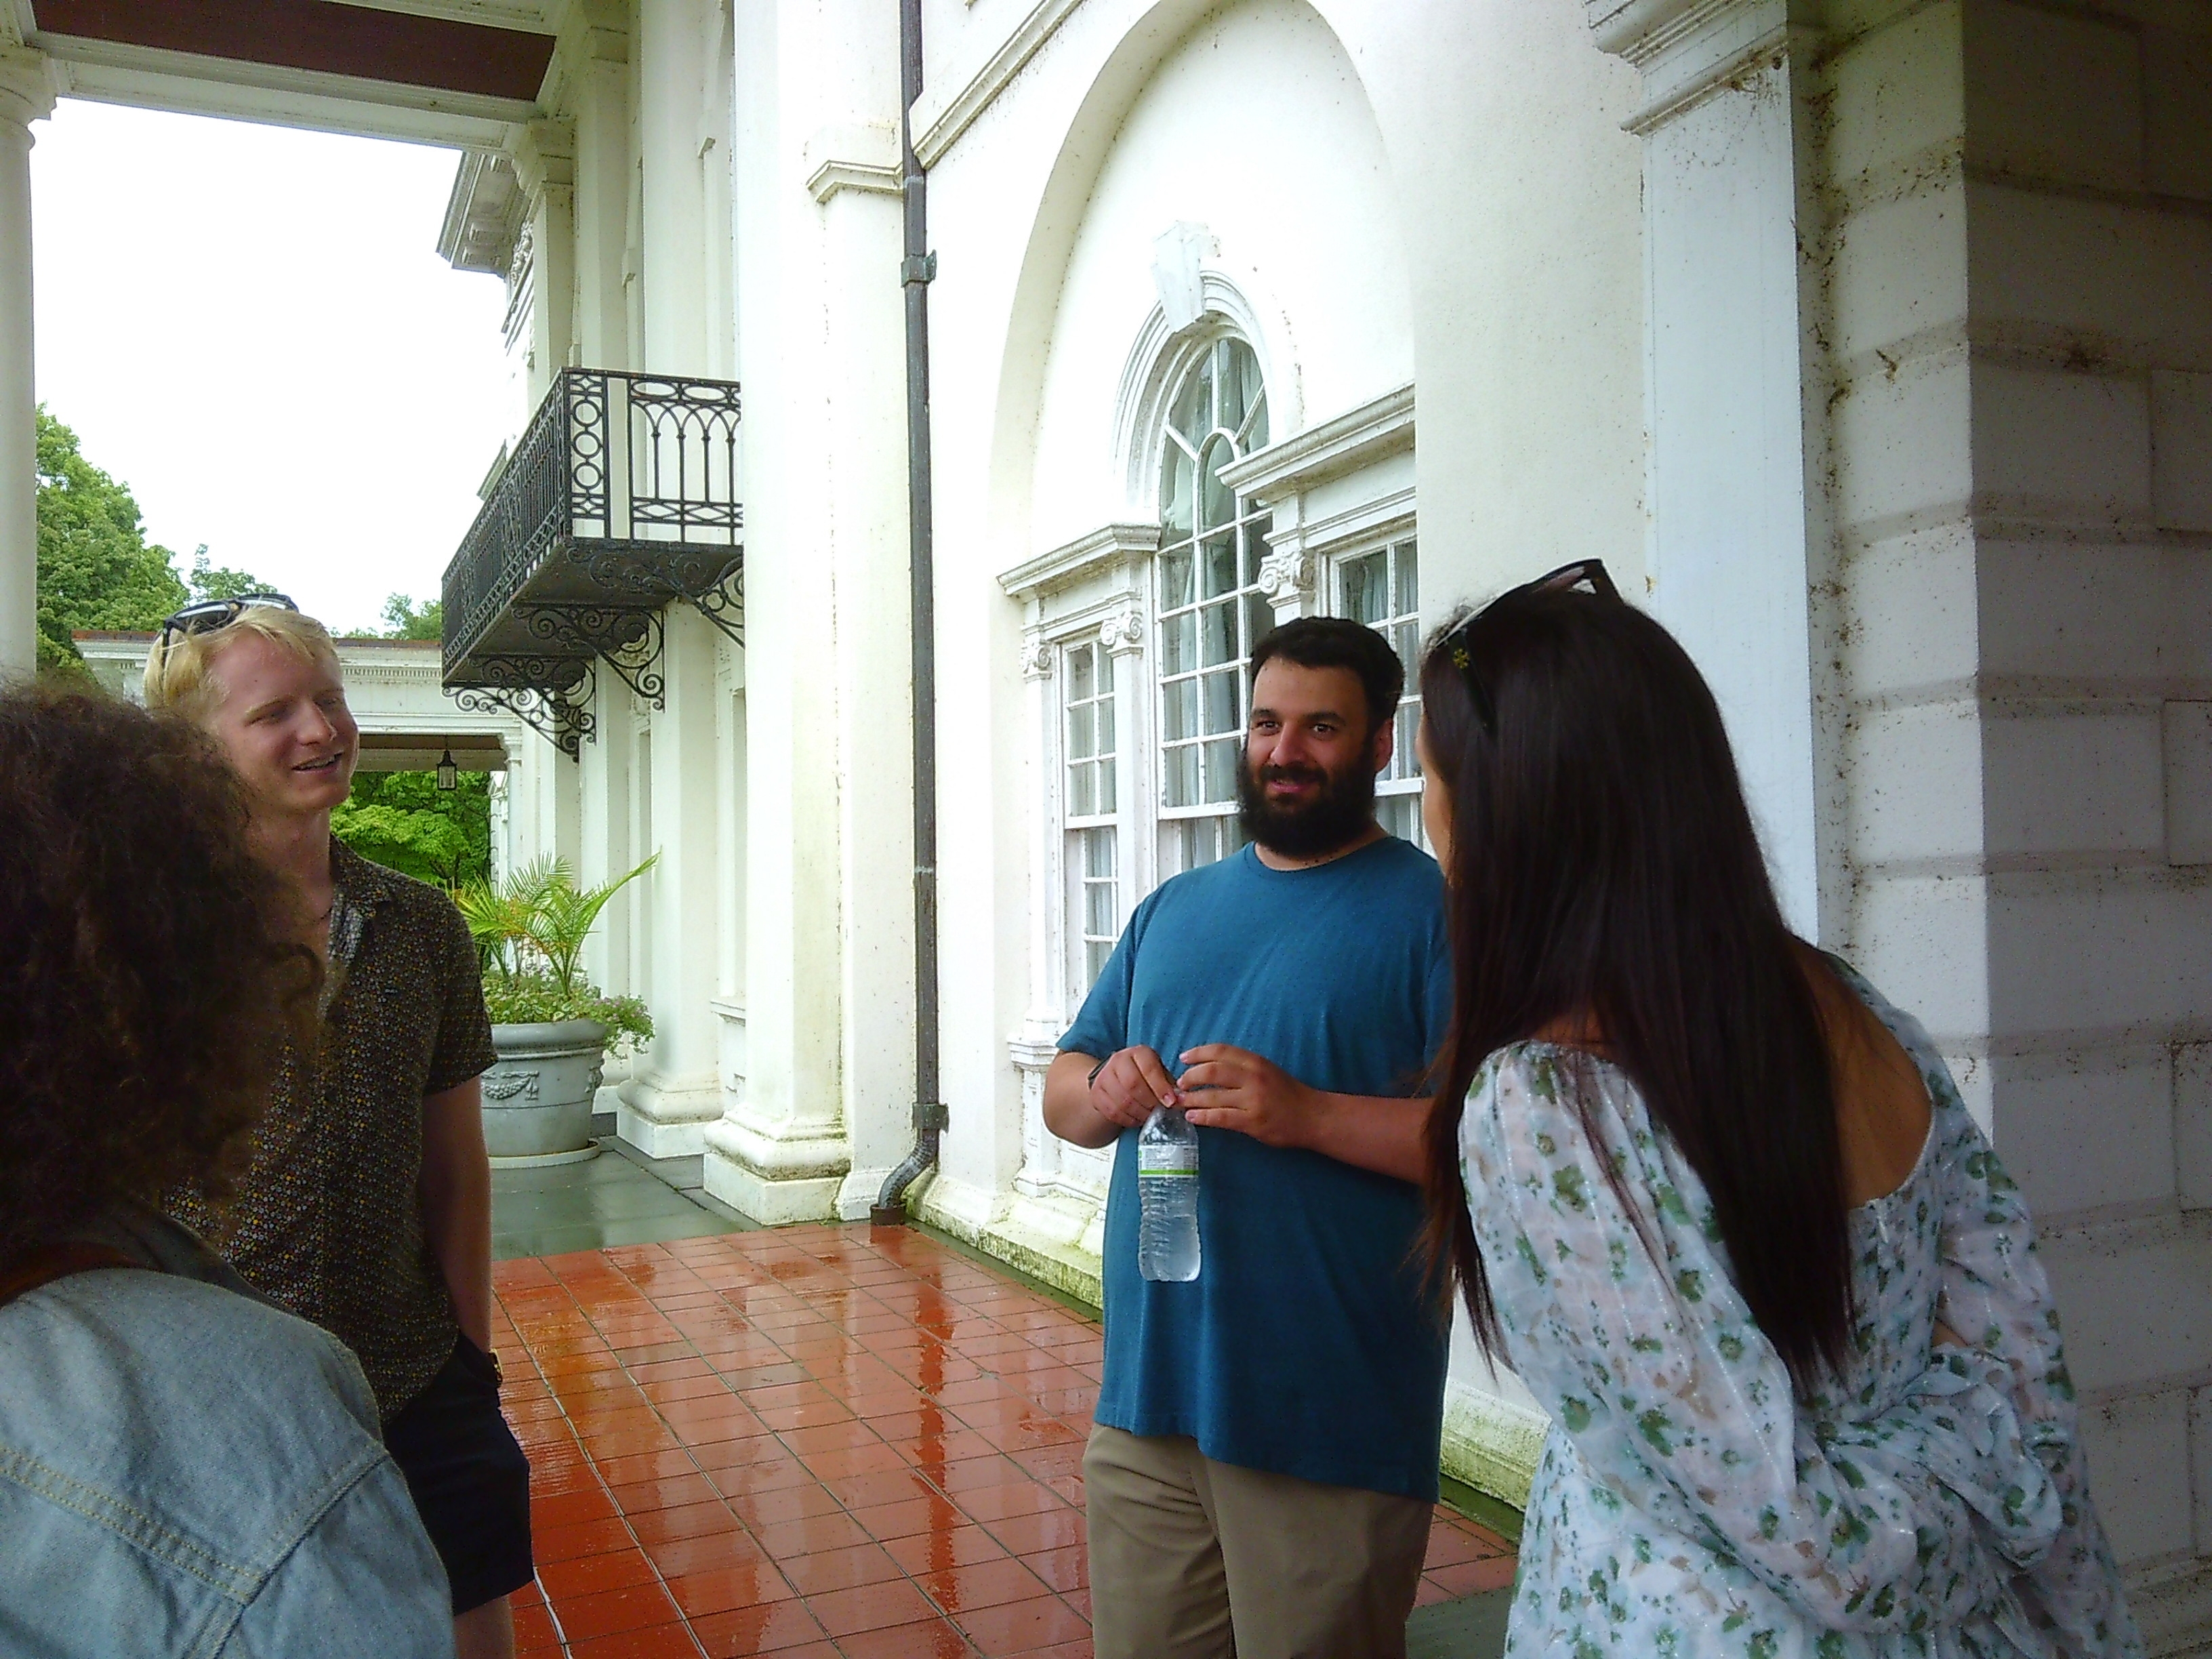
(552, 696)
(627, 638)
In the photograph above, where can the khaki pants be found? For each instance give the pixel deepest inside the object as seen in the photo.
(1196, 1559)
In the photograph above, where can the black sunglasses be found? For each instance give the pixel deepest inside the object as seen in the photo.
(208, 615)
(1583, 575)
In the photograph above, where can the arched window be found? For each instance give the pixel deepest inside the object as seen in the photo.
(1209, 605)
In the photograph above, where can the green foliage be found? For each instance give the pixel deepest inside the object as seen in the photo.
(96, 568)
(215, 582)
(533, 997)
(405, 620)
(405, 821)
(530, 927)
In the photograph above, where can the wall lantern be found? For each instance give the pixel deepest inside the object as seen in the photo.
(449, 776)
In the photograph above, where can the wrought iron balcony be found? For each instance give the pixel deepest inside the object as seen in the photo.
(620, 499)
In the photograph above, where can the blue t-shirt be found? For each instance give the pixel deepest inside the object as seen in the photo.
(1306, 1345)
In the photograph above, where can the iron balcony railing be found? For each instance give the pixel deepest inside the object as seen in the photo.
(620, 499)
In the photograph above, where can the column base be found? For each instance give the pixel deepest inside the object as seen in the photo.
(776, 1178)
(1052, 1236)
(667, 1117)
(1492, 1444)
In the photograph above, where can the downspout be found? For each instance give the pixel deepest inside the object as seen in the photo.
(915, 269)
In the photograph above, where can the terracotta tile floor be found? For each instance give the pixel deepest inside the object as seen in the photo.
(815, 1441)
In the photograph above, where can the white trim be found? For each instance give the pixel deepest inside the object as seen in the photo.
(522, 16)
(1354, 530)
(937, 122)
(149, 79)
(861, 156)
(1104, 549)
(1377, 430)
(833, 178)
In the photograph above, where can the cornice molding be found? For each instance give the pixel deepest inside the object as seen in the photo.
(862, 157)
(1690, 48)
(1358, 438)
(832, 178)
(936, 123)
(484, 215)
(1102, 549)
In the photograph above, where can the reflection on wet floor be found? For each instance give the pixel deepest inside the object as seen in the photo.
(823, 1441)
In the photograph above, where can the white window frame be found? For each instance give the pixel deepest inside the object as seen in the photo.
(1402, 782)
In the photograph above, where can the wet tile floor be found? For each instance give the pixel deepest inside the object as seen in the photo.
(819, 1440)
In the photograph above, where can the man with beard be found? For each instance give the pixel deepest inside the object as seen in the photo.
(1261, 1476)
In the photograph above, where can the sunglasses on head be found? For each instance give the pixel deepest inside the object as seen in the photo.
(208, 615)
(1583, 575)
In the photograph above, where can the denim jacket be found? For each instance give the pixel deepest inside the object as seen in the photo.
(185, 1470)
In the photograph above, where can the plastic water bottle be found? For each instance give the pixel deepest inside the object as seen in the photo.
(1167, 1197)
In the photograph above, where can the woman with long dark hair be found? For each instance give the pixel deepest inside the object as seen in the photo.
(1719, 1204)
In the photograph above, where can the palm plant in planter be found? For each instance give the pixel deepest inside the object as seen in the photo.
(552, 1028)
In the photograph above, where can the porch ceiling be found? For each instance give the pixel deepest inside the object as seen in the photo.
(439, 71)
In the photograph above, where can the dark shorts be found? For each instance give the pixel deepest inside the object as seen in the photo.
(470, 1480)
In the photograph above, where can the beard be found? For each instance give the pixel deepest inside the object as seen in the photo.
(1340, 811)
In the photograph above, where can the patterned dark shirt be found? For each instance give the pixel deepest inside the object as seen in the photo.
(329, 1220)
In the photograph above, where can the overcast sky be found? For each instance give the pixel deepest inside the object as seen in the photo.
(251, 328)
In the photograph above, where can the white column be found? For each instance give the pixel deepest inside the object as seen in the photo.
(1737, 541)
(829, 1093)
(26, 95)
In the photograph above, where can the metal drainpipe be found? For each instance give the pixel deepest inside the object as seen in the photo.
(915, 271)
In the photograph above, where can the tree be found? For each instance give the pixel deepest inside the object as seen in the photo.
(405, 821)
(96, 568)
(215, 582)
(405, 620)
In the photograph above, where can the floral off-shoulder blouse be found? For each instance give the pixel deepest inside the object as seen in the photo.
(1933, 1502)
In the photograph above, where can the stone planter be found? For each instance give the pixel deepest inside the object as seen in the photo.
(538, 1099)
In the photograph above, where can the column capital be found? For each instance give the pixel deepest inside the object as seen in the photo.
(1687, 48)
(26, 85)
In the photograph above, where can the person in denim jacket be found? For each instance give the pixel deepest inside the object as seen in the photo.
(185, 1470)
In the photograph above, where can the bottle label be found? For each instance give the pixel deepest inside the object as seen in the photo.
(1172, 1160)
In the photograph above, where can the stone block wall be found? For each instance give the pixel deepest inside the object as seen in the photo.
(2018, 278)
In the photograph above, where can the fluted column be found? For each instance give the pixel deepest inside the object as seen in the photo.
(26, 95)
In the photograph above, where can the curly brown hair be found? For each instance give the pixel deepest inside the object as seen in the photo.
(145, 987)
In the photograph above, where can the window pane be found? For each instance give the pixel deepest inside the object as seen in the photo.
(1219, 502)
(1081, 744)
(1221, 769)
(1082, 792)
(1236, 390)
(1183, 776)
(1178, 475)
(1194, 406)
(1095, 953)
(1106, 714)
(1259, 618)
(1080, 685)
(1222, 714)
(1398, 814)
(1181, 701)
(1364, 598)
(1175, 579)
(1409, 587)
(1217, 633)
(1219, 558)
(1179, 643)
(1405, 637)
(1098, 859)
(1255, 546)
(1407, 763)
(1105, 768)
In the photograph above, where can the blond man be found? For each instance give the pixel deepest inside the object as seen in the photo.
(368, 1208)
